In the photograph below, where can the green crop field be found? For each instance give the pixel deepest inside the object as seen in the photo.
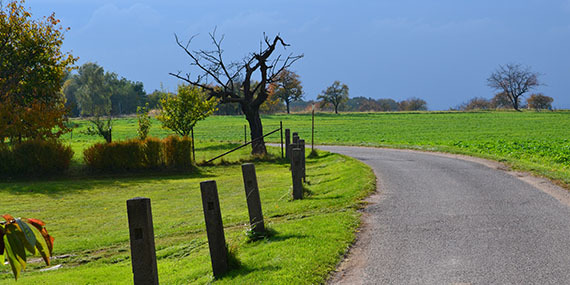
(531, 141)
(538, 142)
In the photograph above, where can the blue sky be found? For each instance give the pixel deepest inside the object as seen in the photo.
(439, 50)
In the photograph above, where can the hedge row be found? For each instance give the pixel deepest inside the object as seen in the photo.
(34, 158)
(133, 155)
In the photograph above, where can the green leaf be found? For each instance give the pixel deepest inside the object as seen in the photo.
(13, 238)
(2, 248)
(13, 258)
(29, 240)
(41, 245)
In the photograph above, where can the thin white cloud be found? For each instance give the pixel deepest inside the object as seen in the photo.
(109, 16)
(421, 26)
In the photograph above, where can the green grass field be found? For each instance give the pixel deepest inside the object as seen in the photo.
(88, 219)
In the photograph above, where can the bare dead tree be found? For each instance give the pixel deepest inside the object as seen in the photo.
(236, 81)
(514, 80)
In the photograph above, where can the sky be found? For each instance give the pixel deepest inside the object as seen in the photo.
(442, 51)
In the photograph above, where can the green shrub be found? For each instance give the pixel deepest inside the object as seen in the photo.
(126, 155)
(177, 152)
(153, 153)
(93, 156)
(6, 159)
(116, 156)
(35, 158)
(132, 155)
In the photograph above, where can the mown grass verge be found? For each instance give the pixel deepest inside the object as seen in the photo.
(88, 219)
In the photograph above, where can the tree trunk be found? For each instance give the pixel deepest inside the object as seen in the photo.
(515, 101)
(257, 146)
(287, 103)
(336, 109)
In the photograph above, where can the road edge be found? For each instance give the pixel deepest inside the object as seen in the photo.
(350, 271)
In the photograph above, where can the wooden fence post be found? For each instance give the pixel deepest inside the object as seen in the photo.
(281, 131)
(296, 173)
(313, 131)
(288, 143)
(302, 147)
(252, 197)
(295, 137)
(214, 227)
(143, 254)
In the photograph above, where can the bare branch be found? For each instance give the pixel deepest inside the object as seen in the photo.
(514, 80)
(234, 81)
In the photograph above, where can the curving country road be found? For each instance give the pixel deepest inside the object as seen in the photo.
(437, 219)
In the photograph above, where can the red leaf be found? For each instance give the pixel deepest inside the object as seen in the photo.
(35, 222)
(8, 218)
(49, 239)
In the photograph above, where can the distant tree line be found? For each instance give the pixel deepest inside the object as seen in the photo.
(501, 100)
(286, 95)
(356, 104)
(92, 91)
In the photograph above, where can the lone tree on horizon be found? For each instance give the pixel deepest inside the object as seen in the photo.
(335, 95)
(232, 82)
(514, 80)
(288, 88)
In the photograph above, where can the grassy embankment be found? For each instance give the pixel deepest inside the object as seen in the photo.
(87, 216)
(88, 219)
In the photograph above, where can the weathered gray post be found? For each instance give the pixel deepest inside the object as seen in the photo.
(252, 197)
(302, 147)
(296, 173)
(313, 130)
(143, 254)
(295, 137)
(214, 227)
(288, 143)
(281, 131)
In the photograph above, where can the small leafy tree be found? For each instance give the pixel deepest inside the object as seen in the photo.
(101, 127)
(19, 235)
(288, 87)
(273, 104)
(539, 102)
(413, 104)
(144, 121)
(476, 103)
(335, 95)
(501, 101)
(181, 112)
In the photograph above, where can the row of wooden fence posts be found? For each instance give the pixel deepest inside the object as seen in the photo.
(295, 152)
(143, 253)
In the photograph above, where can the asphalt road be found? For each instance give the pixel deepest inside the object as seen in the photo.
(442, 220)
